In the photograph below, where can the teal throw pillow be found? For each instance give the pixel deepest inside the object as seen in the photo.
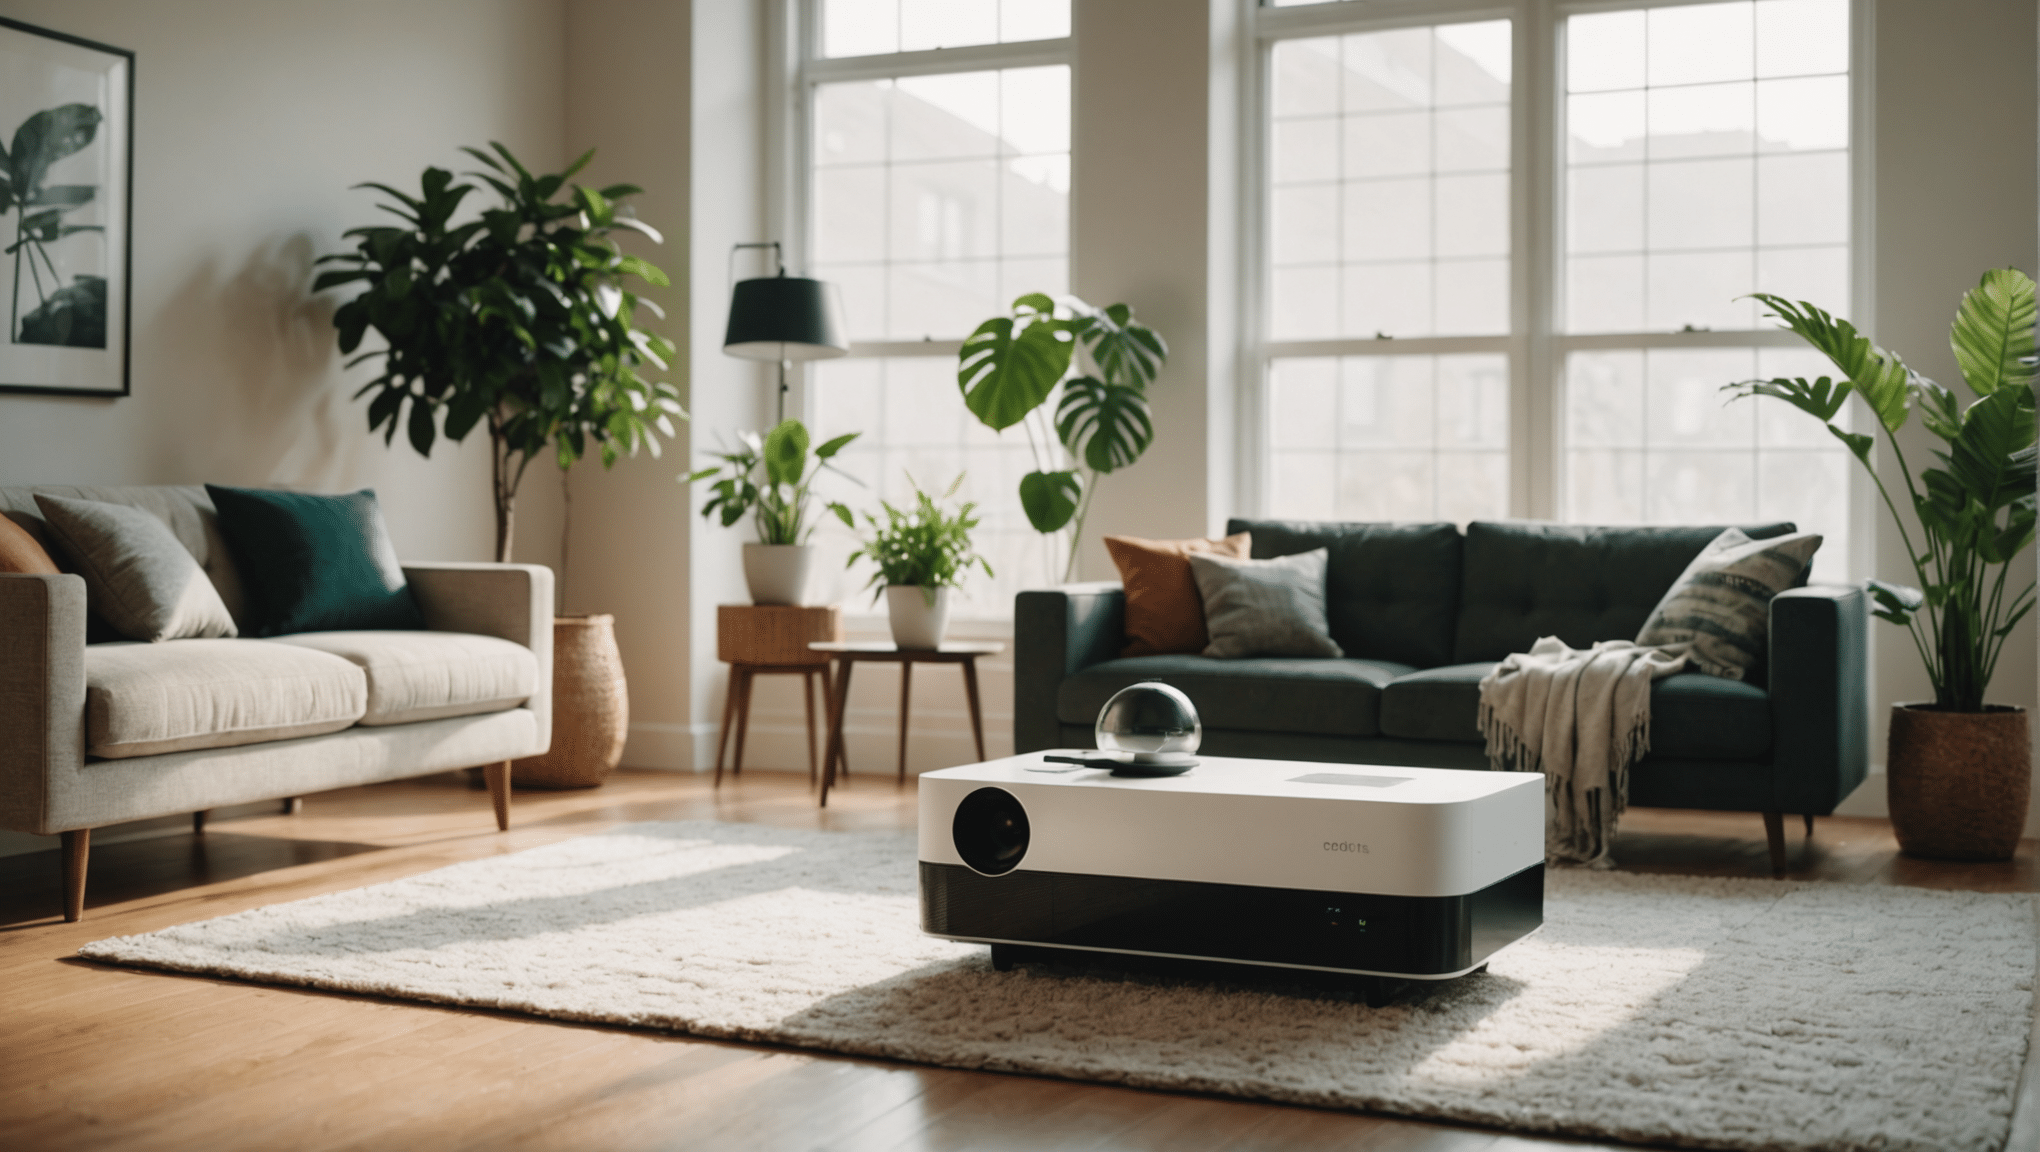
(313, 563)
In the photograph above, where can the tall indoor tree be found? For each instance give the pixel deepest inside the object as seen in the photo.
(519, 319)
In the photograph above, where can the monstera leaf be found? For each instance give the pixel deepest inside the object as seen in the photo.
(1105, 425)
(1011, 364)
(1127, 351)
(1050, 498)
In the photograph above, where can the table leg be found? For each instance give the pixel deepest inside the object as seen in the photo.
(729, 709)
(807, 698)
(977, 720)
(746, 678)
(906, 695)
(835, 750)
(829, 674)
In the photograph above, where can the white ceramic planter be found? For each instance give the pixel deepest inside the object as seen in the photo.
(915, 623)
(777, 573)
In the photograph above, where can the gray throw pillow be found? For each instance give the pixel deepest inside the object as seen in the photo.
(1721, 603)
(1264, 607)
(138, 576)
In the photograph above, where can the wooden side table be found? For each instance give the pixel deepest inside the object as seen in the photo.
(767, 639)
(848, 655)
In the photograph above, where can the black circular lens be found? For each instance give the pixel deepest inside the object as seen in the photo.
(991, 831)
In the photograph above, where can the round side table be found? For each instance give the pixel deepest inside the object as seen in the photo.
(848, 656)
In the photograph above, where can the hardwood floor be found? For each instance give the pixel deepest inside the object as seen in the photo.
(93, 1057)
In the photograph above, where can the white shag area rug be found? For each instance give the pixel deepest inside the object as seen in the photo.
(1743, 1014)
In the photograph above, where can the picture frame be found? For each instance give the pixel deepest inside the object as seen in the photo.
(66, 212)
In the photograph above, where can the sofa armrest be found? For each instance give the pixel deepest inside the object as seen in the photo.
(42, 693)
(511, 601)
(1058, 631)
(1820, 696)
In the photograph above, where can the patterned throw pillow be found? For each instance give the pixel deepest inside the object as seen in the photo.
(1164, 612)
(138, 576)
(1265, 607)
(1720, 605)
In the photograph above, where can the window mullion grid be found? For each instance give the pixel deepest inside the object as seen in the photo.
(1536, 448)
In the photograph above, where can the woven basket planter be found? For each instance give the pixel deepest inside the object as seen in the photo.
(590, 708)
(1958, 781)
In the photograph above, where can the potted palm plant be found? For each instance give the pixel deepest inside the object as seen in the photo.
(520, 320)
(770, 478)
(921, 554)
(1959, 769)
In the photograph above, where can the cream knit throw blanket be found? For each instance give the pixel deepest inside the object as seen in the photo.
(1581, 717)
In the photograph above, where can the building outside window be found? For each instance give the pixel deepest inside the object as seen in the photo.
(937, 145)
(1509, 258)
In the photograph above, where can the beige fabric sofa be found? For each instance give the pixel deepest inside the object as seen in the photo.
(98, 734)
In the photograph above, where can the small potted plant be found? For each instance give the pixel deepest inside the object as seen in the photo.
(921, 553)
(771, 479)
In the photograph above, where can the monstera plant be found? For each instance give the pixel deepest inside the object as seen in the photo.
(1958, 768)
(519, 319)
(1009, 369)
(73, 315)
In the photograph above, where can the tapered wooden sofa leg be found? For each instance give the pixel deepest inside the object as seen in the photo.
(498, 776)
(1774, 831)
(198, 821)
(77, 846)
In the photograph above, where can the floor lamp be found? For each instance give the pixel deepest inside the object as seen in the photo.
(784, 318)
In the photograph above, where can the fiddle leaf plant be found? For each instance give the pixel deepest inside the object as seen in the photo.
(1010, 367)
(521, 320)
(1976, 511)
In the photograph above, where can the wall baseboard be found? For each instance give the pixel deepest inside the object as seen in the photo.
(671, 747)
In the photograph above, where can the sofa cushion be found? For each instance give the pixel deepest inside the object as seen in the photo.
(1693, 716)
(147, 699)
(1164, 612)
(187, 510)
(430, 675)
(1391, 590)
(22, 553)
(1259, 694)
(1525, 580)
(1720, 606)
(314, 563)
(1264, 607)
(137, 574)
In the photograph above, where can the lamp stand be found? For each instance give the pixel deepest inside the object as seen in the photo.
(782, 395)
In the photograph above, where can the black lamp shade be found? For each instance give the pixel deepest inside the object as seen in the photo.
(785, 318)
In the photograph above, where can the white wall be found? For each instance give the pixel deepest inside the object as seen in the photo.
(628, 96)
(1957, 144)
(252, 119)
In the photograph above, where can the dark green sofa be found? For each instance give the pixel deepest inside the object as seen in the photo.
(1423, 611)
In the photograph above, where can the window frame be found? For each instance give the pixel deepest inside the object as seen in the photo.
(795, 41)
(1535, 345)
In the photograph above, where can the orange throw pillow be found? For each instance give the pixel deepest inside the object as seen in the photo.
(20, 553)
(1164, 612)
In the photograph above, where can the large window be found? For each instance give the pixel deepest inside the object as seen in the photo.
(938, 178)
(1686, 155)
